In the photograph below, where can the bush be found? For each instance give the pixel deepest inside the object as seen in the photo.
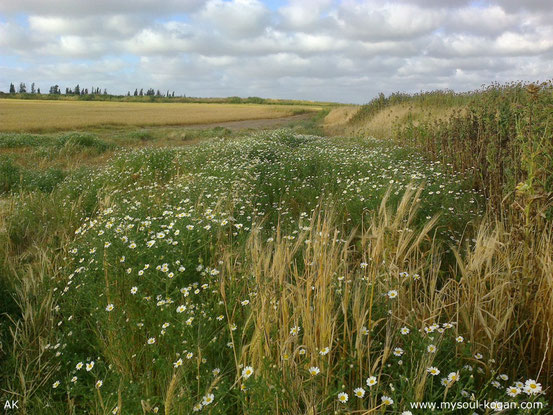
(84, 141)
(10, 174)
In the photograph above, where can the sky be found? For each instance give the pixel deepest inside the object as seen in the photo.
(330, 50)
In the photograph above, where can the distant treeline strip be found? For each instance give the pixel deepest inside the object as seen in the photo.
(139, 95)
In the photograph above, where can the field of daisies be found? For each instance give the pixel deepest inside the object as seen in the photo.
(273, 273)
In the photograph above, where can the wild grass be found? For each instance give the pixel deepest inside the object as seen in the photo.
(272, 273)
(44, 116)
(337, 117)
(501, 137)
(501, 133)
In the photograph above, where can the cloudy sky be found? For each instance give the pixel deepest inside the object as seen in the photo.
(333, 50)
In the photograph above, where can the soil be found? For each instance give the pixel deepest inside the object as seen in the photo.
(263, 123)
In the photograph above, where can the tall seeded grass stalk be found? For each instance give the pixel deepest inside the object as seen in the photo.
(32, 331)
(315, 282)
(506, 296)
(29, 266)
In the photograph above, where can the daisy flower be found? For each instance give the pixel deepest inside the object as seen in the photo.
(359, 392)
(513, 391)
(207, 399)
(247, 372)
(531, 387)
(343, 397)
(371, 381)
(453, 377)
(386, 400)
(294, 330)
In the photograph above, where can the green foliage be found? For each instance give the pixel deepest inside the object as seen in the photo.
(9, 174)
(15, 140)
(13, 177)
(501, 134)
(141, 135)
(154, 296)
(504, 137)
(82, 140)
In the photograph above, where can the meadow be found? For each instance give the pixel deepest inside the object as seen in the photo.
(54, 115)
(282, 271)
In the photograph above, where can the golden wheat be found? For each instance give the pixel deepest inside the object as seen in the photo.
(29, 115)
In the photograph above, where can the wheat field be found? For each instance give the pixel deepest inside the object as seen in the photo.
(39, 116)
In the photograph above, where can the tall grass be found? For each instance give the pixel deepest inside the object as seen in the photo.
(270, 274)
(501, 133)
(501, 136)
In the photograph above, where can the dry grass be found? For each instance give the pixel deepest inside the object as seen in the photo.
(37, 116)
(499, 296)
(383, 124)
(338, 117)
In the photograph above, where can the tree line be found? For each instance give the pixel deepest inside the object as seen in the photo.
(77, 90)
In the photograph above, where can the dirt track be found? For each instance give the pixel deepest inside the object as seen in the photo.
(264, 123)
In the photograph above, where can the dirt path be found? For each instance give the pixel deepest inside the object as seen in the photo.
(263, 123)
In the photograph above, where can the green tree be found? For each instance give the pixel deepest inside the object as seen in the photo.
(12, 89)
(33, 90)
(22, 88)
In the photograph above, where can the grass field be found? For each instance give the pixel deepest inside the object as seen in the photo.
(41, 115)
(157, 270)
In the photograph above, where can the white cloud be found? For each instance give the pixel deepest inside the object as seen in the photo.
(302, 14)
(377, 21)
(487, 21)
(236, 18)
(98, 7)
(320, 49)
